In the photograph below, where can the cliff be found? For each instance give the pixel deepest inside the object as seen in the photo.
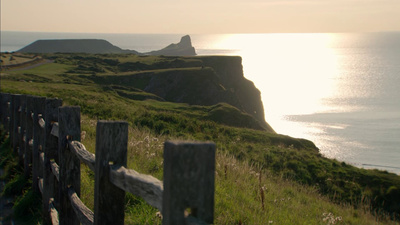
(205, 80)
(220, 79)
(98, 46)
(245, 94)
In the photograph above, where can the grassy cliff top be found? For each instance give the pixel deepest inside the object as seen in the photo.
(294, 173)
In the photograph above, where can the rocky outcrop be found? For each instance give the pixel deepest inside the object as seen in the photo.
(98, 46)
(183, 48)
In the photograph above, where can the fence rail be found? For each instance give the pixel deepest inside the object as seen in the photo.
(46, 137)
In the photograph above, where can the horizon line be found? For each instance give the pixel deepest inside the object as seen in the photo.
(69, 32)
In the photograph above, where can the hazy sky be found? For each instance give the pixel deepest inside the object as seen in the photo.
(200, 16)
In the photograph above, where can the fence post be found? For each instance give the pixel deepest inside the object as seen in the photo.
(5, 105)
(2, 108)
(28, 135)
(111, 149)
(11, 122)
(50, 152)
(69, 121)
(38, 138)
(22, 117)
(16, 101)
(189, 171)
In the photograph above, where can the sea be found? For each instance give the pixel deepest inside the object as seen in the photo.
(339, 90)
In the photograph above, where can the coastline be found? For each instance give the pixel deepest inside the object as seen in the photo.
(347, 149)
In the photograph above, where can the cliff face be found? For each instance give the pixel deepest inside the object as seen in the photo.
(219, 80)
(230, 71)
(211, 86)
(206, 80)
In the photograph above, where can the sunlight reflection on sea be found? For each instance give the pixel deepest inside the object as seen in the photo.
(337, 90)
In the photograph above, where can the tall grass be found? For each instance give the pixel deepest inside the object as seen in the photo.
(27, 204)
(237, 192)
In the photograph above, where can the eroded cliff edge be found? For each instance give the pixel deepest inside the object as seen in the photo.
(201, 80)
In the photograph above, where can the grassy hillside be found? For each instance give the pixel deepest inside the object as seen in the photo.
(298, 185)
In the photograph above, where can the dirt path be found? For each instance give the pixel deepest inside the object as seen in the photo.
(46, 61)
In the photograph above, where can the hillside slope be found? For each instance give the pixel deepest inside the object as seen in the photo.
(118, 87)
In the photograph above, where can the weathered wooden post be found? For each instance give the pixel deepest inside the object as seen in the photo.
(50, 150)
(5, 105)
(28, 135)
(189, 171)
(16, 102)
(69, 122)
(11, 110)
(1, 109)
(111, 149)
(11, 122)
(38, 140)
(21, 144)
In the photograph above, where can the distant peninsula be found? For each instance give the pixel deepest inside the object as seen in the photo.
(99, 46)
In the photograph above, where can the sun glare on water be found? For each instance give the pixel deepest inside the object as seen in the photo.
(308, 83)
(294, 72)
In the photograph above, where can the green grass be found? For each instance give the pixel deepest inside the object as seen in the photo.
(237, 190)
(300, 186)
(27, 204)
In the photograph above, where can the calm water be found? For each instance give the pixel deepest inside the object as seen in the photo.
(342, 91)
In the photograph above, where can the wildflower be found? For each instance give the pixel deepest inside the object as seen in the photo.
(330, 218)
(264, 188)
(159, 215)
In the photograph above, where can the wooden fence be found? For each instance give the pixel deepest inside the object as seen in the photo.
(46, 137)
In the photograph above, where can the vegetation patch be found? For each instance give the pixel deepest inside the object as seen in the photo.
(27, 204)
(294, 173)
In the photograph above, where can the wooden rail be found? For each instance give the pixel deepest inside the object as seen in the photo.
(46, 137)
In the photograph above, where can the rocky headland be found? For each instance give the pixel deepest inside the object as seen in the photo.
(183, 48)
(200, 80)
(99, 46)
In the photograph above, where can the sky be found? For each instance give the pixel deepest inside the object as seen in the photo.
(200, 16)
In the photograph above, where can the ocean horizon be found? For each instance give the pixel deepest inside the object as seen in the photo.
(339, 90)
